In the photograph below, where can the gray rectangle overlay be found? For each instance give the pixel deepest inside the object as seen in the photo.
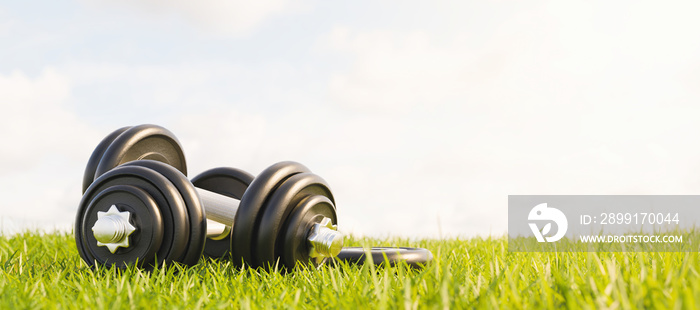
(606, 223)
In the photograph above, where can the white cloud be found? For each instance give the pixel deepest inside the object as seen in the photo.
(235, 17)
(559, 99)
(222, 137)
(394, 72)
(45, 146)
(36, 121)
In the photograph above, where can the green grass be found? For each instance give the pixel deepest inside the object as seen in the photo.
(45, 272)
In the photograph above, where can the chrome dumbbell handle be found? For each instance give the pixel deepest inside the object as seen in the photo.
(220, 211)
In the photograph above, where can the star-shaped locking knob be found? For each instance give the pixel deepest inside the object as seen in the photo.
(112, 229)
(324, 240)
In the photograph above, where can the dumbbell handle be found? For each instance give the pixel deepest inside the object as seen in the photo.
(218, 208)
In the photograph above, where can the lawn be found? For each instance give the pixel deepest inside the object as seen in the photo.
(45, 271)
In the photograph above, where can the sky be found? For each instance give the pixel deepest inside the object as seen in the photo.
(422, 116)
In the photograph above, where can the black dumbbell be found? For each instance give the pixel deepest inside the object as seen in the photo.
(170, 216)
(154, 142)
(146, 210)
(157, 143)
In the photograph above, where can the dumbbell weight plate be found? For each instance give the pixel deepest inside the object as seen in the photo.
(96, 156)
(278, 207)
(195, 210)
(414, 257)
(176, 228)
(247, 218)
(230, 182)
(134, 143)
(311, 210)
(145, 215)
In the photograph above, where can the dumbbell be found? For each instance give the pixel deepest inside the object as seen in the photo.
(157, 143)
(154, 142)
(140, 211)
(161, 216)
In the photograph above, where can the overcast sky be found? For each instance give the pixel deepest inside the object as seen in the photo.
(422, 116)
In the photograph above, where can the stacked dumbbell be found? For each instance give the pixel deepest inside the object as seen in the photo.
(138, 207)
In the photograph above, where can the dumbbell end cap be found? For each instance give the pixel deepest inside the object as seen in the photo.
(112, 229)
(325, 240)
